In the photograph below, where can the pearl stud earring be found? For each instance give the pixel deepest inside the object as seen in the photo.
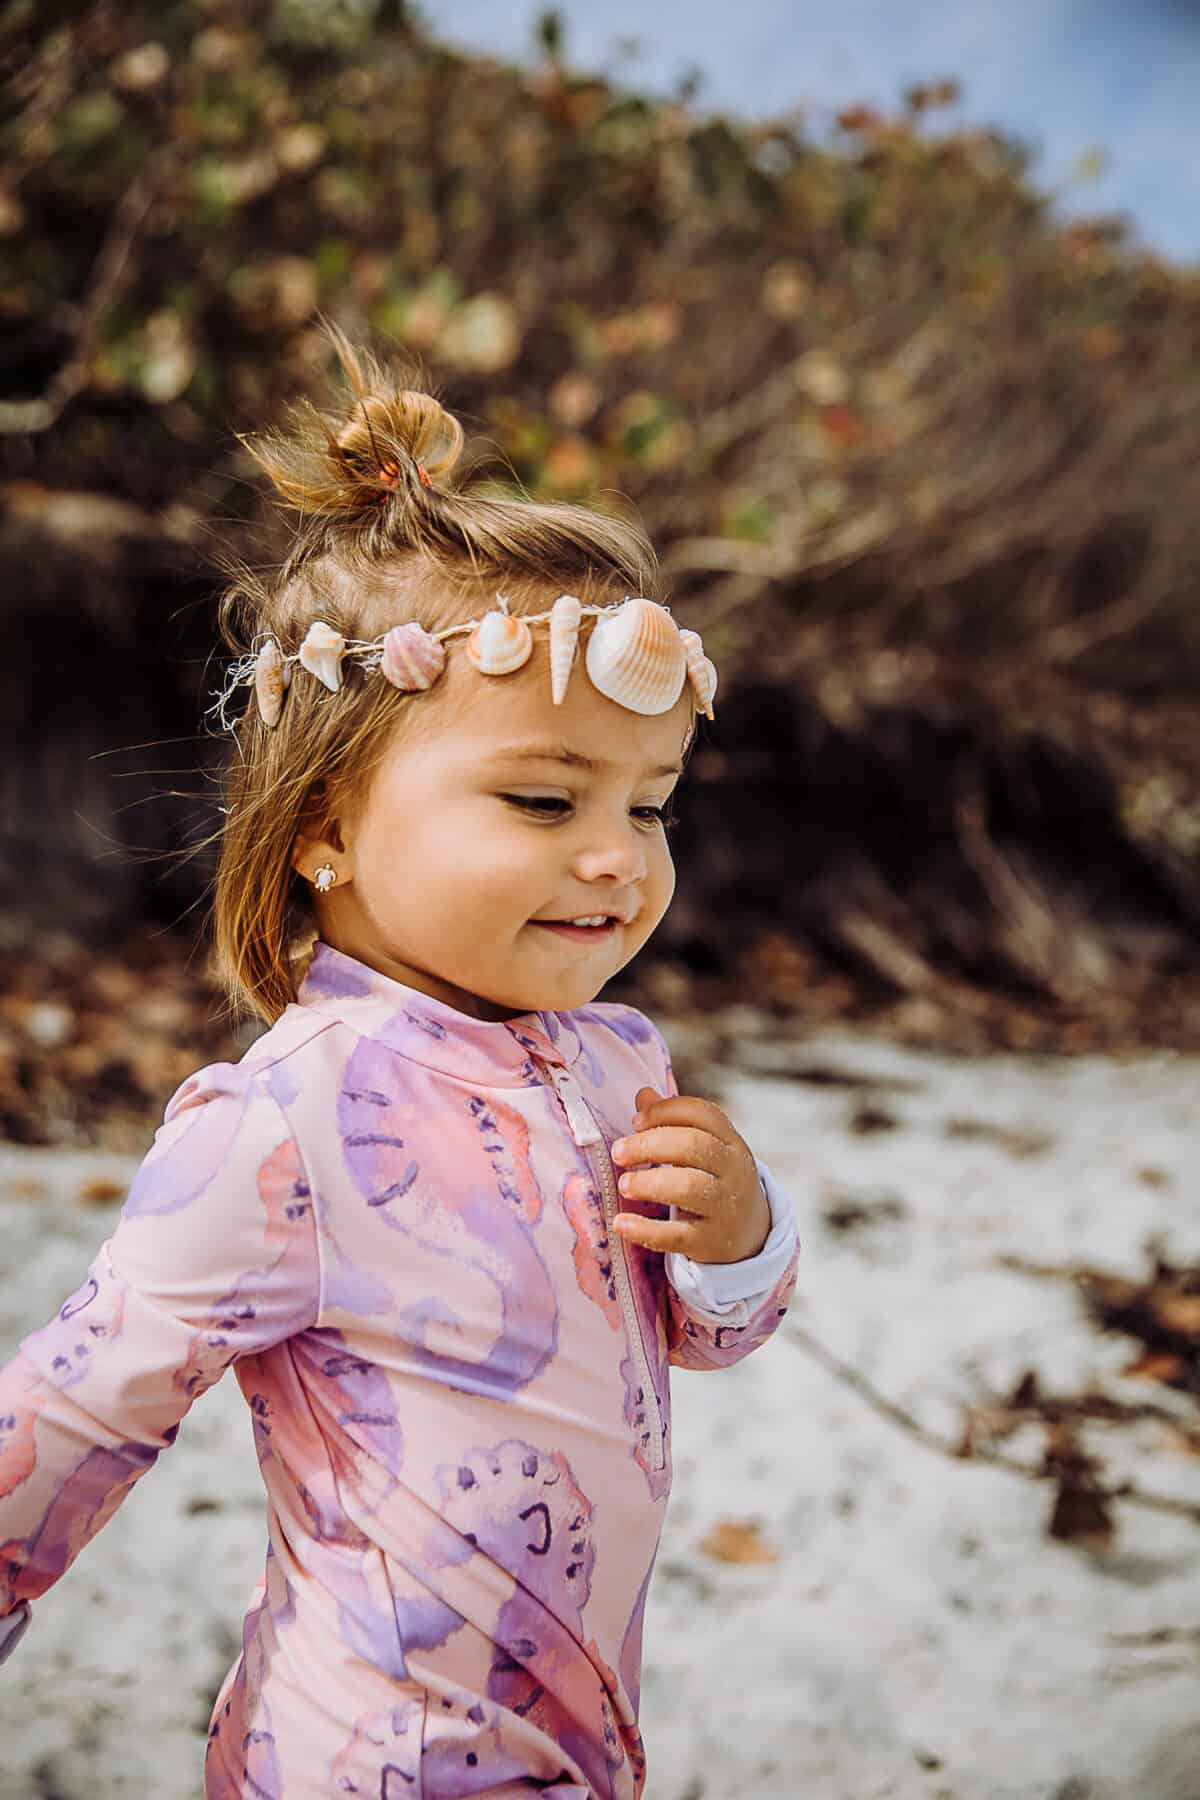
(324, 878)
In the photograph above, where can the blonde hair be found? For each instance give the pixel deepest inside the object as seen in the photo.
(391, 528)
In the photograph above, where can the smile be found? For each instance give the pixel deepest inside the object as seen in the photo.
(597, 928)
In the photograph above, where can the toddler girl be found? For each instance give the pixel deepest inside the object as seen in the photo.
(448, 1218)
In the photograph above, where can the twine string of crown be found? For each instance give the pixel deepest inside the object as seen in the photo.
(636, 655)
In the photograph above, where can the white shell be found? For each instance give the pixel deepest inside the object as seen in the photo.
(412, 658)
(270, 679)
(500, 643)
(635, 657)
(565, 615)
(701, 672)
(321, 654)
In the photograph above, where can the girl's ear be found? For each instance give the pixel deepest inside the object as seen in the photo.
(308, 854)
(318, 841)
(316, 829)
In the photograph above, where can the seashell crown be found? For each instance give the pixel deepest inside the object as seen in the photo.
(636, 655)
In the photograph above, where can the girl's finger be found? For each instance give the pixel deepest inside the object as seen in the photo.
(684, 1145)
(667, 1186)
(657, 1234)
(688, 1109)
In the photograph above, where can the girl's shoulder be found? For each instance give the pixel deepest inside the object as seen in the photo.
(295, 1029)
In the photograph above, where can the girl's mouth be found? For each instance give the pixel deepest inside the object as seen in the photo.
(579, 934)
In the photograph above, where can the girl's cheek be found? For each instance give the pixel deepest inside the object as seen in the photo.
(664, 867)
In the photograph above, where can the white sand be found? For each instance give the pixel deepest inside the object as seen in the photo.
(920, 1636)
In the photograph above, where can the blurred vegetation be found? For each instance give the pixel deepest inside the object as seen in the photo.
(922, 463)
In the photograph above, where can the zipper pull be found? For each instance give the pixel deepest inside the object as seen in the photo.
(580, 1117)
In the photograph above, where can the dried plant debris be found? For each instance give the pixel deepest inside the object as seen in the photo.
(1082, 1509)
(94, 1042)
(992, 1421)
(1161, 1310)
(870, 1120)
(1164, 1312)
(847, 1212)
(829, 1075)
(1013, 1139)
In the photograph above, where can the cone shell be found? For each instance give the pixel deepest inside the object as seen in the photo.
(500, 644)
(701, 672)
(635, 657)
(565, 615)
(412, 659)
(321, 654)
(269, 682)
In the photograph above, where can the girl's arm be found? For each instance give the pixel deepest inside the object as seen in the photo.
(214, 1257)
(732, 1292)
(717, 1313)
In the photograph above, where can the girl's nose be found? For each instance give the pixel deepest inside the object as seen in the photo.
(616, 854)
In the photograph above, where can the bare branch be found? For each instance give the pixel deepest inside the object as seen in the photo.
(908, 1423)
(33, 416)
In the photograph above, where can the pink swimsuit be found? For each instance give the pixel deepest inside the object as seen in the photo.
(392, 1219)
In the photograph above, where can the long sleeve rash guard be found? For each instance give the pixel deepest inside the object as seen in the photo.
(394, 1222)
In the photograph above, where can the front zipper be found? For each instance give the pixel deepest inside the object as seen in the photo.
(588, 1136)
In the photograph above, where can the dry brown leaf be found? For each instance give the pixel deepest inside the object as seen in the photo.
(26, 1187)
(101, 1190)
(1177, 1312)
(1156, 1365)
(738, 1541)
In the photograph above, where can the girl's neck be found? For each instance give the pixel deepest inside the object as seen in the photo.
(474, 1006)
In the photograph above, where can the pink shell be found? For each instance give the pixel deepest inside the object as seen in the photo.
(635, 657)
(701, 672)
(412, 659)
(500, 643)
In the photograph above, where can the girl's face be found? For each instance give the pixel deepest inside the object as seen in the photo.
(500, 815)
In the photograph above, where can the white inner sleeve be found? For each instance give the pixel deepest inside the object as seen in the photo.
(731, 1292)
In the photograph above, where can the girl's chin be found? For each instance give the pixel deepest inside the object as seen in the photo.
(564, 994)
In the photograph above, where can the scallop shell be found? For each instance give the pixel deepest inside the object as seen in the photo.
(635, 657)
(412, 659)
(270, 680)
(565, 615)
(701, 672)
(321, 654)
(500, 644)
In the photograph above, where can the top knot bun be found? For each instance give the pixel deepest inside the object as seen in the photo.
(387, 441)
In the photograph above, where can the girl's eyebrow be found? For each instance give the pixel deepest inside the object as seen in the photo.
(574, 758)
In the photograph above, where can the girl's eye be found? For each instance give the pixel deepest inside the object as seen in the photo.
(552, 806)
(538, 803)
(660, 814)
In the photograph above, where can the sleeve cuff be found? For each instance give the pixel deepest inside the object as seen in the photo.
(13, 1627)
(732, 1292)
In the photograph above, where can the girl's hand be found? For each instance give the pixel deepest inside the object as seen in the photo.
(704, 1167)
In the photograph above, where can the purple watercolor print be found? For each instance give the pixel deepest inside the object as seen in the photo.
(185, 1161)
(439, 1199)
(522, 1508)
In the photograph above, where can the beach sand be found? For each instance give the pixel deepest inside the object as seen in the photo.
(917, 1632)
